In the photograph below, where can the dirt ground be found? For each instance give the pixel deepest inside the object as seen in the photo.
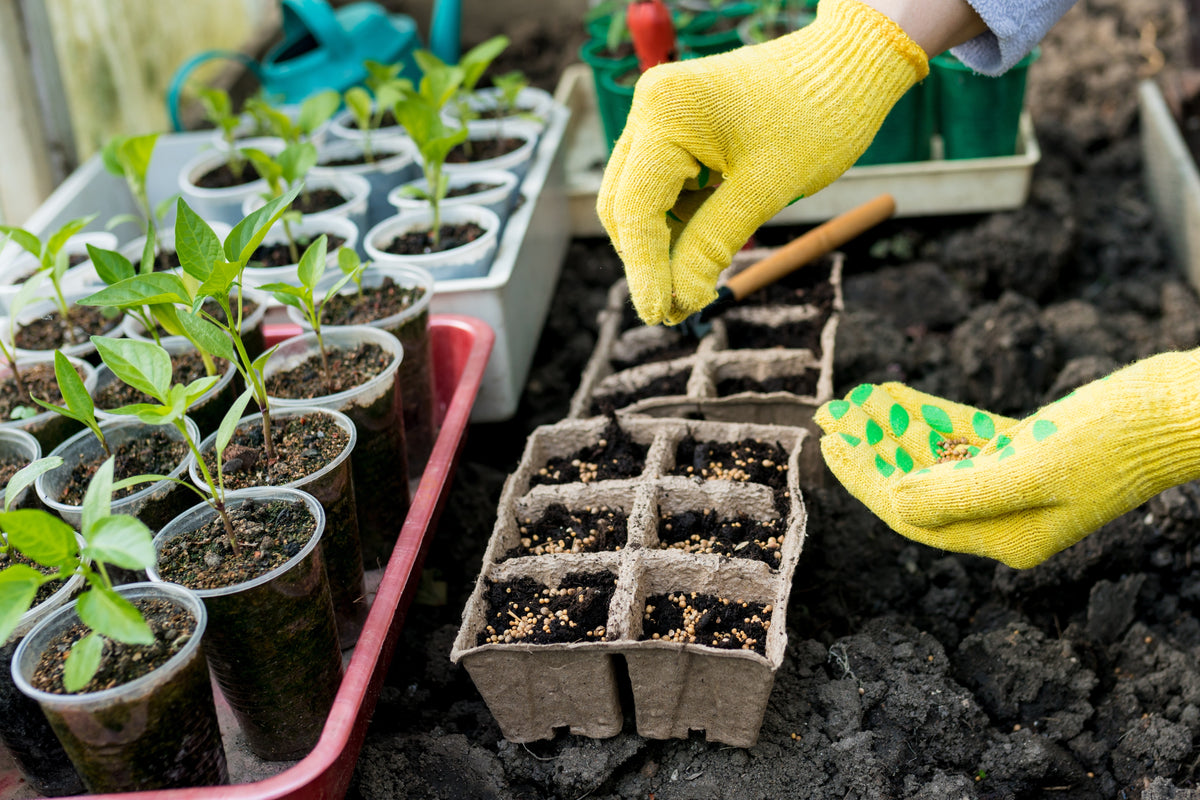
(910, 672)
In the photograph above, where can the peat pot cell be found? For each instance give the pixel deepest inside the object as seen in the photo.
(796, 289)
(560, 530)
(524, 611)
(709, 620)
(804, 384)
(614, 455)
(669, 385)
(705, 531)
(745, 461)
(803, 334)
(666, 346)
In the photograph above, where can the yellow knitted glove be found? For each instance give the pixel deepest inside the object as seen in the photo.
(773, 122)
(1017, 491)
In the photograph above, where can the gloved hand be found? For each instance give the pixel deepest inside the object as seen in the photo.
(772, 122)
(1026, 489)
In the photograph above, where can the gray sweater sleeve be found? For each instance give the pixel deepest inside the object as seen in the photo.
(1014, 29)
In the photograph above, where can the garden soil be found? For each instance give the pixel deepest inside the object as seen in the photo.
(910, 672)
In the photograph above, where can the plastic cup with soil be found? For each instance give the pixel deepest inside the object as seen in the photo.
(469, 237)
(24, 729)
(487, 104)
(336, 194)
(494, 144)
(312, 449)
(366, 362)
(392, 164)
(17, 264)
(394, 299)
(186, 366)
(344, 126)
(273, 261)
(254, 310)
(212, 190)
(139, 449)
(37, 376)
(18, 449)
(147, 719)
(272, 641)
(495, 190)
(40, 330)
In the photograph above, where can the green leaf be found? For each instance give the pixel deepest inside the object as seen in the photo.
(25, 477)
(97, 500)
(296, 160)
(149, 413)
(121, 540)
(24, 238)
(18, 586)
(141, 290)
(312, 263)
(41, 536)
(108, 156)
(285, 293)
(359, 103)
(249, 233)
(135, 153)
(121, 219)
(59, 238)
(109, 614)
(149, 251)
(111, 266)
(82, 662)
(220, 283)
(230, 421)
(207, 336)
(164, 205)
(71, 386)
(476, 60)
(348, 260)
(143, 365)
(316, 109)
(29, 292)
(260, 362)
(439, 86)
(196, 389)
(196, 245)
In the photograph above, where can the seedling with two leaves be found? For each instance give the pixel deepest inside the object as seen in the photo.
(368, 105)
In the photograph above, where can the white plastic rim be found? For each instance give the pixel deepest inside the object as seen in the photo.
(83, 439)
(16, 443)
(133, 329)
(173, 345)
(89, 383)
(61, 618)
(201, 513)
(392, 154)
(530, 100)
(373, 276)
(516, 162)
(354, 188)
(342, 126)
(498, 199)
(472, 260)
(17, 264)
(277, 415)
(223, 204)
(312, 226)
(295, 350)
(47, 307)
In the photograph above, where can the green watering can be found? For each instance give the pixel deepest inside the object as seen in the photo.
(325, 49)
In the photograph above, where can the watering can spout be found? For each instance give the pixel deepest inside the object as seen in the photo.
(444, 28)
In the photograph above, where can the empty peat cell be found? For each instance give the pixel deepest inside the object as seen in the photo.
(804, 334)
(705, 531)
(803, 384)
(800, 288)
(708, 620)
(525, 611)
(671, 384)
(746, 461)
(614, 455)
(669, 346)
(598, 529)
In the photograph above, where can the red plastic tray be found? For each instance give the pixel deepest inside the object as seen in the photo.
(461, 346)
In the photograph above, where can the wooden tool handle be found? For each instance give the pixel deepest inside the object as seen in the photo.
(817, 242)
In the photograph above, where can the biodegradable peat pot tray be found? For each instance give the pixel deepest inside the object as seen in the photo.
(628, 512)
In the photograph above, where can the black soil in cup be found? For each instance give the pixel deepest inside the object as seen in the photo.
(705, 531)
(224, 176)
(483, 149)
(280, 255)
(747, 461)
(799, 334)
(420, 242)
(169, 739)
(524, 611)
(273, 648)
(39, 380)
(707, 620)
(804, 384)
(48, 332)
(317, 200)
(614, 455)
(154, 452)
(560, 530)
(671, 384)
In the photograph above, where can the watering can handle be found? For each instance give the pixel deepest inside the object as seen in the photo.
(315, 18)
(185, 69)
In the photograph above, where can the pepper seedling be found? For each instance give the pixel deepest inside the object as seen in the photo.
(350, 264)
(303, 297)
(129, 157)
(77, 403)
(313, 112)
(117, 540)
(434, 141)
(368, 106)
(53, 262)
(472, 64)
(287, 169)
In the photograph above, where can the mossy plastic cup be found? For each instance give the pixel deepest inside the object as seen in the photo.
(612, 103)
(906, 131)
(978, 116)
(618, 93)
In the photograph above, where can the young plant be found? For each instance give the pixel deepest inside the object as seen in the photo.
(129, 157)
(349, 264)
(211, 270)
(313, 113)
(302, 297)
(77, 403)
(510, 85)
(434, 141)
(110, 539)
(218, 109)
(52, 261)
(369, 105)
(287, 169)
(112, 267)
(473, 64)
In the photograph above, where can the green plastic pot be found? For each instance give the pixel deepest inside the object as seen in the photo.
(711, 32)
(612, 103)
(906, 131)
(978, 116)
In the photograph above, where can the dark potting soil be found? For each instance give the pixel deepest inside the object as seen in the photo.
(164, 261)
(223, 177)
(421, 242)
(268, 534)
(347, 369)
(794, 290)
(560, 530)
(48, 333)
(39, 381)
(316, 200)
(185, 368)
(804, 384)
(680, 348)
(615, 455)
(303, 444)
(280, 255)
(669, 385)
(375, 302)
(708, 620)
(801, 334)
(483, 149)
(121, 663)
(523, 610)
(747, 461)
(152, 453)
(9, 466)
(706, 531)
(387, 120)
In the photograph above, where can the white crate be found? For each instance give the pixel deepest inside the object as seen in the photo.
(1172, 178)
